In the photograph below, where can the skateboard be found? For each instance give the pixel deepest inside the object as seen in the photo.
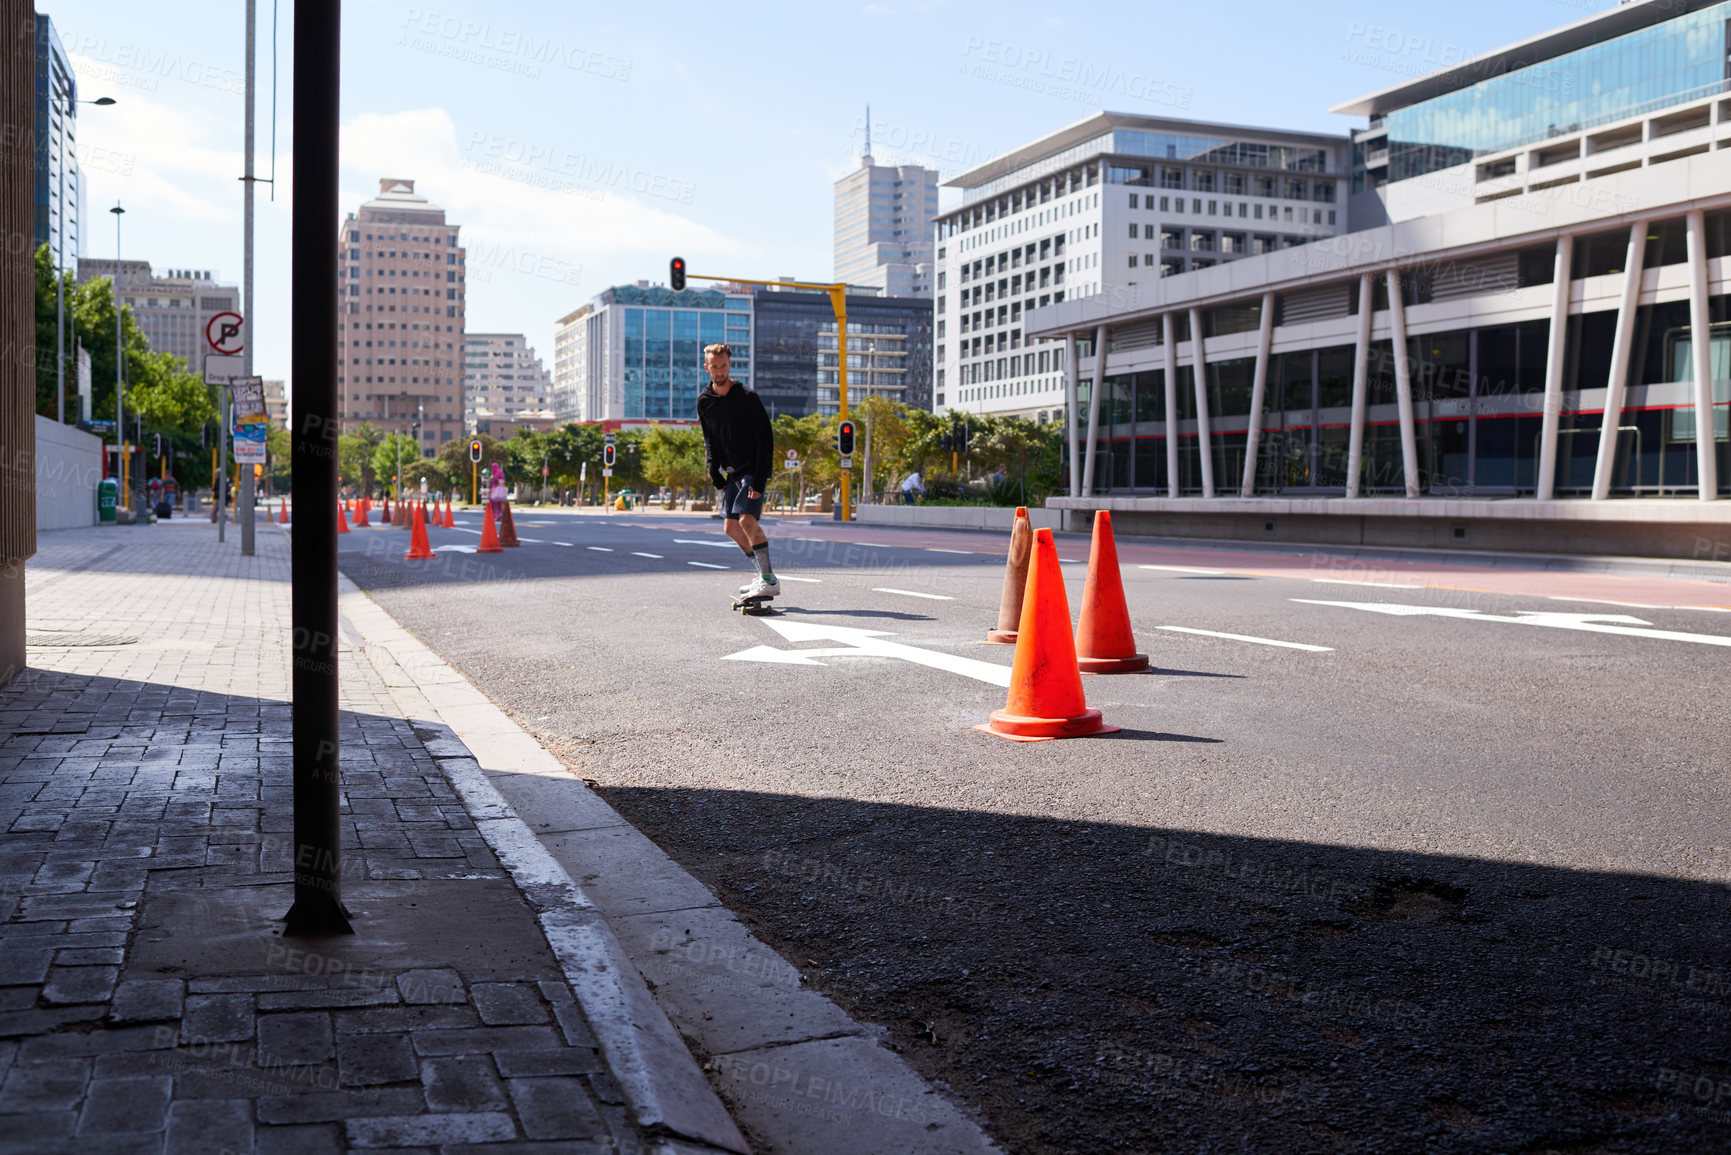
(757, 607)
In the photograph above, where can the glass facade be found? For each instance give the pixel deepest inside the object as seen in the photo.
(889, 351)
(663, 348)
(1669, 63)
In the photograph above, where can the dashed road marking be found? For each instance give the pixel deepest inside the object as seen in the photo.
(1378, 585)
(913, 594)
(1248, 638)
(600, 548)
(640, 553)
(706, 565)
(1183, 569)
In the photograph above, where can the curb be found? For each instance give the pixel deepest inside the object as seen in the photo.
(665, 1090)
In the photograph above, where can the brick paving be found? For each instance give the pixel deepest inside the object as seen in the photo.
(145, 1003)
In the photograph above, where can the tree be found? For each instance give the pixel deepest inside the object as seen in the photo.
(392, 448)
(885, 422)
(279, 447)
(454, 456)
(427, 469)
(673, 456)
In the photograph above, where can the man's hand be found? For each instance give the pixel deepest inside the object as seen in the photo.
(753, 494)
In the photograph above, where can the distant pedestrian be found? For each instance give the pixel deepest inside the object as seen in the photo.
(739, 449)
(496, 492)
(911, 487)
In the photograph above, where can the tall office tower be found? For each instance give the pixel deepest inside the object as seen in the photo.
(56, 148)
(571, 366)
(505, 386)
(883, 234)
(172, 309)
(401, 329)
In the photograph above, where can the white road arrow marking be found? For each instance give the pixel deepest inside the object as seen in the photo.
(865, 643)
(1623, 624)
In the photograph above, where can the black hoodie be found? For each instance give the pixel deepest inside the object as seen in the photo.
(737, 436)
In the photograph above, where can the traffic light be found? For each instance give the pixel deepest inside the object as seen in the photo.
(475, 450)
(676, 276)
(962, 438)
(844, 439)
(156, 444)
(945, 442)
(607, 454)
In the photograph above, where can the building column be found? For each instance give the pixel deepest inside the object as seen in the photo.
(1562, 287)
(1070, 413)
(1403, 384)
(1169, 346)
(1199, 375)
(1258, 389)
(1094, 408)
(1360, 384)
(1616, 386)
(1701, 353)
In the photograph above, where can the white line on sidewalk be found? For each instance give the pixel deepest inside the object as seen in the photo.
(640, 553)
(707, 565)
(1248, 638)
(1379, 585)
(600, 548)
(1182, 569)
(912, 594)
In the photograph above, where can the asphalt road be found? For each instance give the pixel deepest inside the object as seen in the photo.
(1456, 878)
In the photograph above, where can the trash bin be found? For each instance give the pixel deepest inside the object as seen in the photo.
(107, 500)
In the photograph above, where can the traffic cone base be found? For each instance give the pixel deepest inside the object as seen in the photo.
(1000, 638)
(1135, 663)
(1019, 728)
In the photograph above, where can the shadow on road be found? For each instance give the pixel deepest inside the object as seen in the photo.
(1096, 987)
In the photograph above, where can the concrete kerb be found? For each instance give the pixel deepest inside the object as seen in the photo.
(662, 1083)
(650, 900)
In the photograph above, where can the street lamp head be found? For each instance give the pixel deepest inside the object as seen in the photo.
(103, 101)
(117, 210)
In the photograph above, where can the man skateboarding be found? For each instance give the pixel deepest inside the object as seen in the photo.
(739, 451)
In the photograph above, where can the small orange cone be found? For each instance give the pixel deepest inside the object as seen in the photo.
(419, 548)
(450, 519)
(400, 517)
(342, 519)
(1046, 699)
(1015, 581)
(361, 521)
(385, 517)
(489, 535)
(508, 531)
(1104, 643)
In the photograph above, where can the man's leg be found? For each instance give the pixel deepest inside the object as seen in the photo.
(759, 547)
(750, 533)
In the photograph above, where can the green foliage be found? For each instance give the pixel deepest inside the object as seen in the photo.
(454, 456)
(429, 469)
(673, 456)
(394, 447)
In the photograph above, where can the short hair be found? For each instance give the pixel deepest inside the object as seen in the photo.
(718, 350)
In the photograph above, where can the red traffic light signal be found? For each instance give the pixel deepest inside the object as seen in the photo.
(676, 274)
(844, 439)
(607, 456)
(475, 450)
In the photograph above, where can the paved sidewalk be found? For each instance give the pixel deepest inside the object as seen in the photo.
(148, 1001)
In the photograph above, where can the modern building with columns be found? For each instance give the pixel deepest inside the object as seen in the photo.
(1529, 301)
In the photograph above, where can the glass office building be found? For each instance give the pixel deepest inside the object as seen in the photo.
(889, 351)
(663, 335)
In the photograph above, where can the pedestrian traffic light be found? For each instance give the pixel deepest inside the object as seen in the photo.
(844, 439)
(676, 274)
(607, 454)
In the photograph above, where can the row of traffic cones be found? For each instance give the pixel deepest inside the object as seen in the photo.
(1046, 699)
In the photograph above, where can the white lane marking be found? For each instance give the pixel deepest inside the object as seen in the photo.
(453, 549)
(640, 553)
(725, 544)
(912, 594)
(1636, 605)
(1181, 569)
(935, 549)
(1378, 585)
(872, 544)
(707, 565)
(476, 532)
(787, 577)
(1072, 561)
(600, 548)
(1248, 638)
(864, 643)
(566, 544)
(533, 540)
(1623, 624)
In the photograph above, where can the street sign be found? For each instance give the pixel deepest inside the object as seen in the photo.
(475, 450)
(249, 398)
(223, 333)
(605, 472)
(249, 442)
(611, 438)
(220, 369)
(793, 455)
(847, 463)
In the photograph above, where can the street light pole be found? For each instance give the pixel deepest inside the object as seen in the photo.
(247, 484)
(119, 361)
(60, 261)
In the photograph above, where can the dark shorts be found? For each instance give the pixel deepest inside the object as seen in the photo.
(735, 503)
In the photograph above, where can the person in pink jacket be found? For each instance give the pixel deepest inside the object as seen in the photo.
(496, 491)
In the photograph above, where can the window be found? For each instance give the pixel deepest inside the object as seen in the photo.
(1133, 200)
(1132, 260)
(1204, 182)
(1171, 178)
(1322, 190)
(1196, 206)
(1211, 209)
(1132, 230)
(1264, 186)
(1233, 183)
(1294, 189)
(1165, 204)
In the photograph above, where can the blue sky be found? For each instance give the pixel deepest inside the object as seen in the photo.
(582, 145)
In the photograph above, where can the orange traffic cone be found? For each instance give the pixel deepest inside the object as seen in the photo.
(400, 518)
(508, 531)
(282, 512)
(450, 519)
(489, 535)
(1046, 699)
(1015, 581)
(1104, 643)
(385, 518)
(361, 514)
(419, 548)
(342, 519)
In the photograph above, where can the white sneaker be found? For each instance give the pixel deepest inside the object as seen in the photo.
(747, 586)
(762, 589)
